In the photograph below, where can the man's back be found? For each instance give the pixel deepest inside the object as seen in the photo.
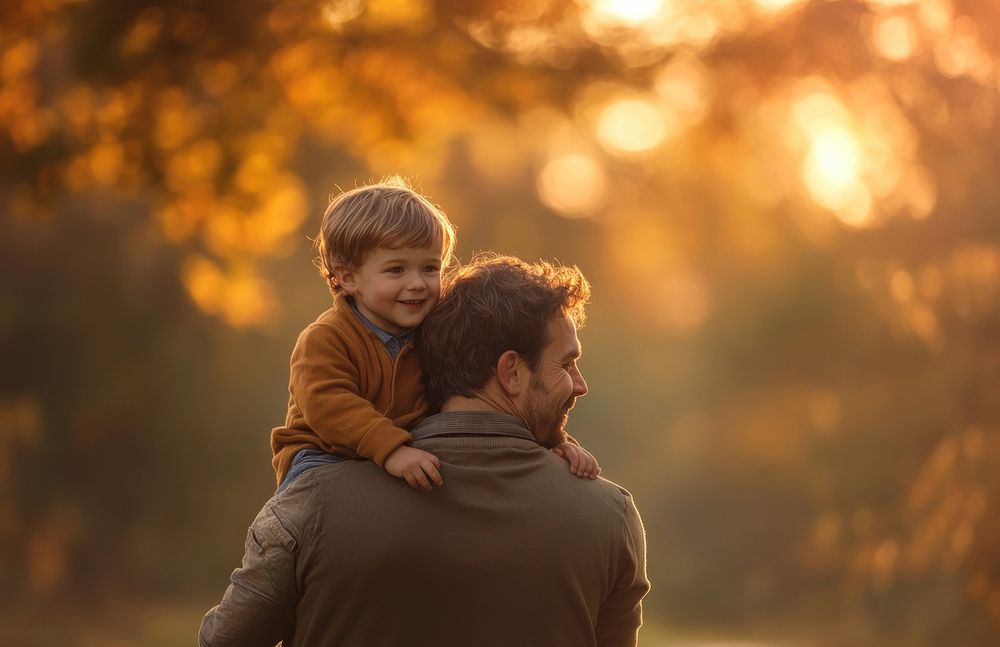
(513, 550)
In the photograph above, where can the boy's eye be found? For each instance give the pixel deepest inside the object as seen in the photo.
(431, 268)
(395, 270)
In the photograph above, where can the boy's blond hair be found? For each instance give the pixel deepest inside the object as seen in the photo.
(390, 214)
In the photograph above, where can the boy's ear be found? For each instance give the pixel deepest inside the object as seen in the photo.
(346, 278)
(511, 373)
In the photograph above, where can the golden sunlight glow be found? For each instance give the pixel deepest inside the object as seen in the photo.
(935, 15)
(194, 165)
(962, 53)
(831, 175)
(574, 185)
(818, 111)
(397, 13)
(273, 224)
(833, 161)
(106, 159)
(857, 210)
(176, 120)
(775, 6)
(683, 86)
(204, 282)
(255, 173)
(628, 126)
(626, 12)
(891, 3)
(241, 300)
(894, 37)
(338, 12)
(701, 28)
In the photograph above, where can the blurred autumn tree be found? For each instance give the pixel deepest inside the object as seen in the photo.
(788, 209)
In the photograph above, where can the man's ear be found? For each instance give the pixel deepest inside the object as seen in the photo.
(511, 373)
(346, 278)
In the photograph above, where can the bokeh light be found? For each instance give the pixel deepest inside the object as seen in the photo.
(627, 12)
(831, 172)
(894, 37)
(337, 13)
(631, 126)
(683, 87)
(775, 6)
(574, 185)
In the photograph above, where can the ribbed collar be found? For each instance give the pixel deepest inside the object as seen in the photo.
(471, 423)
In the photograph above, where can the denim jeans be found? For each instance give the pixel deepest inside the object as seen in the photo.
(306, 459)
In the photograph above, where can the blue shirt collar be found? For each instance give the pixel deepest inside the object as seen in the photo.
(392, 343)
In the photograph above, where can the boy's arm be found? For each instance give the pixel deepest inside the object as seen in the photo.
(581, 462)
(325, 385)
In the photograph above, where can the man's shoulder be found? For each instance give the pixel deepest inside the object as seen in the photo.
(600, 495)
(616, 497)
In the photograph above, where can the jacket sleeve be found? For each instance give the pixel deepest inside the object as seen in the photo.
(620, 615)
(258, 608)
(325, 383)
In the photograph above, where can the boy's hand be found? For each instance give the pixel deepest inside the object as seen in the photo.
(581, 462)
(418, 467)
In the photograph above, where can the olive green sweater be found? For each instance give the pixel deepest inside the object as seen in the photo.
(512, 550)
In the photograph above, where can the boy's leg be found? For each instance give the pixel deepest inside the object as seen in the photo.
(306, 459)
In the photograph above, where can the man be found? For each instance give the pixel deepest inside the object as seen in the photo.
(512, 550)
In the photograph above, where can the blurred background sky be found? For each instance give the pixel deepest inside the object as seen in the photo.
(788, 210)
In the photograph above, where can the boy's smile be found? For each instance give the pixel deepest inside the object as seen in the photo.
(395, 288)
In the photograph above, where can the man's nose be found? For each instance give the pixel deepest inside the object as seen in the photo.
(579, 384)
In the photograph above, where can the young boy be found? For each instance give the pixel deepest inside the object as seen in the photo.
(355, 384)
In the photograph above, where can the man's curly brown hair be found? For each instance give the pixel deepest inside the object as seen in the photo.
(492, 305)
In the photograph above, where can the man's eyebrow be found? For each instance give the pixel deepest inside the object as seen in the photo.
(573, 353)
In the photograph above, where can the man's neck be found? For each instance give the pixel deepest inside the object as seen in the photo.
(462, 403)
(486, 399)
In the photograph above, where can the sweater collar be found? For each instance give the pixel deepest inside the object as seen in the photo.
(471, 423)
(344, 302)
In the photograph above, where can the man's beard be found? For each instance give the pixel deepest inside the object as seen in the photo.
(546, 421)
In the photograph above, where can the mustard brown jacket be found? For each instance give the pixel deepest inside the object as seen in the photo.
(346, 395)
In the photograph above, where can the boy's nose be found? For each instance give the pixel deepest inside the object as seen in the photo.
(416, 283)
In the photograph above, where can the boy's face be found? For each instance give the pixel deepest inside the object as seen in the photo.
(395, 288)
